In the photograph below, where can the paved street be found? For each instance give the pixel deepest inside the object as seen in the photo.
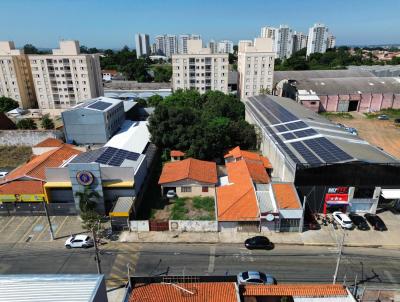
(286, 263)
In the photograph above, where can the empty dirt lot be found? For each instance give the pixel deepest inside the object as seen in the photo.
(383, 134)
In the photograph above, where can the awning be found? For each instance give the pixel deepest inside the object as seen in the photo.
(390, 193)
(58, 184)
(123, 207)
(118, 184)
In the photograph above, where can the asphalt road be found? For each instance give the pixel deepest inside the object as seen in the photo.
(373, 267)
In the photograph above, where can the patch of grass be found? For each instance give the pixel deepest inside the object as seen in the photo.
(370, 116)
(205, 203)
(179, 211)
(13, 156)
(391, 113)
(345, 115)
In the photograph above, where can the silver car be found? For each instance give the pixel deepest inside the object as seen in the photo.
(252, 277)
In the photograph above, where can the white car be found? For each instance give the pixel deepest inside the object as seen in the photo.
(252, 277)
(343, 220)
(3, 173)
(79, 241)
(171, 194)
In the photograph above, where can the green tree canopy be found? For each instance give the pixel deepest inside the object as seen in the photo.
(47, 122)
(27, 124)
(87, 199)
(7, 104)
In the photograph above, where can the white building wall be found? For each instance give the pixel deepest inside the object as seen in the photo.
(317, 39)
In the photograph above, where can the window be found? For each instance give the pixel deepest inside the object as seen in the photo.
(204, 189)
(186, 189)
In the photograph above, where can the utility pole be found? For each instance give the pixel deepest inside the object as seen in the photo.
(96, 258)
(339, 258)
(301, 227)
(48, 220)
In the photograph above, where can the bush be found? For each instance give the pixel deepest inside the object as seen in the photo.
(179, 210)
(27, 124)
(47, 122)
(205, 203)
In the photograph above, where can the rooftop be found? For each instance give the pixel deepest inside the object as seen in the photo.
(98, 104)
(50, 142)
(177, 153)
(22, 187)
(286, 196)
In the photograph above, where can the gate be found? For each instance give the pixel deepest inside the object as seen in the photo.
(158, 225)
(248, 226)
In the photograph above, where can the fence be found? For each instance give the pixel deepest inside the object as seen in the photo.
(27, 137)
(193, 225)
(139, 225)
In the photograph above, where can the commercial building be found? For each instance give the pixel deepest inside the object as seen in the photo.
(225, 46)
(15, 76)
(317, 39)
(142, 42)
(60, 287)
(93, 122)
(299, 41)
(182, 43)
(355, 89)
(66, 77)
(200, 69)
(331, 167)
(282, 38)
(255, 66)
(379, 70)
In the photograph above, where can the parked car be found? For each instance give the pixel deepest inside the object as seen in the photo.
(376, 222)
(171, 194)
(359, 222)
(343, 220)
(397, 120)
(251, 277)
(258, 242)
(3, 173)
(383, 117)
(76, 241)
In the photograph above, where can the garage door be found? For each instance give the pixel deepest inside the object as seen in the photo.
(61, 195)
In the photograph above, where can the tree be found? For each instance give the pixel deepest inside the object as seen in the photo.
(47, 122)
(27, 124)
(29, 49)
(7, 104)
(87, 199)
(162, 73)
(154, 100)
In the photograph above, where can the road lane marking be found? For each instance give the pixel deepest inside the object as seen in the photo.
(16, 229)
(211, 263)
(60, 227)
(24, 237)
(7, 224)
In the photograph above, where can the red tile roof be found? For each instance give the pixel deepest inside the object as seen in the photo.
(257, 171)
(110, 71)
(50, 142)
(237, 153)
(22, 187)
(196, 292)
(190, 168)
(35, 169)
(237, 201)
(286, 196)
(296, 290)
(177, 153)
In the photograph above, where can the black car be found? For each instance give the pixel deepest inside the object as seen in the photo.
(376, 222)
(258, 242)
(359, 222)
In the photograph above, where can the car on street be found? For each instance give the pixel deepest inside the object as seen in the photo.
(397, 121)
(258, 242)
(79, 241)
(171, 194)
(343, 220)
(383, 117)
(359, 222)
(3, 173)
(252, 277)
(376, 222)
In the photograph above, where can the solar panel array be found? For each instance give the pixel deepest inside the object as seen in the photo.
(312, 151)
(115, 157)
(99, 105)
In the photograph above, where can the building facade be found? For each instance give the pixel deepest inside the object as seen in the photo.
(15, 76)
(299, 41)
(66, 77)
(331, 41)
(317, 39)
(200, 69)
(282, 39)
(182, 43)
(225, 46)
(213, 46)
(142, 42)
(255, 66)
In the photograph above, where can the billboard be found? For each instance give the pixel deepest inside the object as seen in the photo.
(337, 195)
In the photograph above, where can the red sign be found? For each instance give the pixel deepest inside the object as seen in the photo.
(336, 198)
(338, 190)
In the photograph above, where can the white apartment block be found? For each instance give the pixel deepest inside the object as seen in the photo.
(182, 43)
(200, 69)
(167, 45)
(255, 66)
(225, 46)
(142, 42)
(282, 38)
(160, 45)
(331, 41)
(317, 39)
(66, 77)
(299, 41)
(213, 46)
(15, 76)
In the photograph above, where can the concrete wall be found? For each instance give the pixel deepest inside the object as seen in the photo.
(117, 173)
(139, 225)
(227, 226)
(193, 226)
(196, 188)
(268, 226)
(27, 137)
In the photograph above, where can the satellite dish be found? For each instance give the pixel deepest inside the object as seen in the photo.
(270, 217)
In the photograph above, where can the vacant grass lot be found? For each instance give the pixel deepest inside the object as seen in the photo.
(13, 156)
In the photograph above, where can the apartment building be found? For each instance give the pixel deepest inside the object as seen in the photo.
(282, 39)
(255, 66)
(66, 77)
(331, 41)
(213, 46)
(142, 42)
(182, 43)
(167, 45)
(15, 76)
(200, 69)
(299, 41)
(225, 46)
(317, 39)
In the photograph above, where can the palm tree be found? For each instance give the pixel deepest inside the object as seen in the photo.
(87, 199)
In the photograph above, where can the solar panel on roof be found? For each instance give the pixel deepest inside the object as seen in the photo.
(281, 128)
(133, 156)
(296, 125)
(306, 153)
(281, 113)
(305, 133)
(106, 156)
(328, 151)
(289, 136)
(99, 105)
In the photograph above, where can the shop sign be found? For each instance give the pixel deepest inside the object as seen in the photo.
(337, 195)
(85, 178)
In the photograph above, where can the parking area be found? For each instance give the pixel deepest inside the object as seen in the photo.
(19, 229)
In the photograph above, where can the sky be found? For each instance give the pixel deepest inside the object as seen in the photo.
(113, 23)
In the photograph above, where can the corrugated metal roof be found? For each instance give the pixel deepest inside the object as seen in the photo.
(49, 288)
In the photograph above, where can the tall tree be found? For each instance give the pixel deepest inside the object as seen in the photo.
(7, 104)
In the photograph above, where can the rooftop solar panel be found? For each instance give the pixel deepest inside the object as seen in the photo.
(99, 105)
(288, 136)
(305, 133)
(309, 157)
(107, 155)
(296, 125)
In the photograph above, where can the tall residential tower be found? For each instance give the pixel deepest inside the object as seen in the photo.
(317, 39)
(142, 42)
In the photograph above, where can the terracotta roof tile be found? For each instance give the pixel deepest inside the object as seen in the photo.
(237, 153)
(22, 187)
(257, 171)
(190, 168)
(50, 142)
(177, 153)
(286, 196)
(296, 290)
(198, 292)
(36, 168)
